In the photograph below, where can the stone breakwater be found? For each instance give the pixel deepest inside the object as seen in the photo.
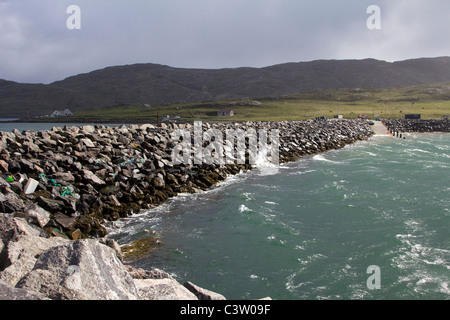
(91, 175)
(404, 125)
(59, 187)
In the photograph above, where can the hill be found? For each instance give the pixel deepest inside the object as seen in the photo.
(159, 84)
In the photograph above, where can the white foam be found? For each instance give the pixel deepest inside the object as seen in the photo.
(319, 157)
(264, 164)
(271, 237)
(243, 208)
(298, 173)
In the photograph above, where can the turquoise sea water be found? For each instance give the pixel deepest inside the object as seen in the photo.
(310, 229)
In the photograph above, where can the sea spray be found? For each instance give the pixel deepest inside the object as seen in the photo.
(265, 163)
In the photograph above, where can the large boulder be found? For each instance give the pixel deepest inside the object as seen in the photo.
(80, 270)
(21, 244)
(90, 177)
(34, 214)
(11, 202)
(162, 289)
(10, 293)
(158, 285)
(201, 293)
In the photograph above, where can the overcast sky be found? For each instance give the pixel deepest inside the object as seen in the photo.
(36, 45)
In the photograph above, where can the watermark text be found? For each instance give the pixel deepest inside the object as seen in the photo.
(374, 281)
(74, 20)
(239, 146)
(374, 21)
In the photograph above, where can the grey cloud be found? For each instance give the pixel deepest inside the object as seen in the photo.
(35, 45)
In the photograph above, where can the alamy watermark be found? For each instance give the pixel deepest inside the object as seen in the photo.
(73, 22)
(240, 146)
(374, 281)
(374, 21)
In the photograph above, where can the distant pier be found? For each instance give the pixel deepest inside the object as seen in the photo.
(379, 128)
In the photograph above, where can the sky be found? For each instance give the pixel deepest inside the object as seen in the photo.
(39, 44)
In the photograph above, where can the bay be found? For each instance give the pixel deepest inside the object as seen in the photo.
(310, 229)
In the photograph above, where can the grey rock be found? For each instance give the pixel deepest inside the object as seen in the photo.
(43, 134)
(22, 243)
(12, 228)
(92, 178)
(162, 289)
(88, 129)
(50, 204)
(123, 140)
(65, 221)
(115, 246)
(77, 166)
(158, 181)
(30, 147)
(16, 186)
(23, 258)
(10, 293)
(11, 202)
(48, 142)
(138, 273)
(62, 177)
(80, 270)
(203, 294)
(35, 214)
(145, 127)
(88, 143)
(3, 166)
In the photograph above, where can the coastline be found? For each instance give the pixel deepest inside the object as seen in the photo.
(90, 175)
(78, 217)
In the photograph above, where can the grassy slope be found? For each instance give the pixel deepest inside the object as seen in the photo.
(432, 101)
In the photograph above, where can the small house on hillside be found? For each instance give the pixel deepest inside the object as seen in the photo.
(412, 116)
(225, 113)
(61, 113)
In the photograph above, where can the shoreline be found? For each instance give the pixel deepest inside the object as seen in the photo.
(92, 174)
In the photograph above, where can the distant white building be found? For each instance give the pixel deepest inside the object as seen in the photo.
(61, 113)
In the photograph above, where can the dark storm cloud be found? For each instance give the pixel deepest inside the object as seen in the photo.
(36, 46)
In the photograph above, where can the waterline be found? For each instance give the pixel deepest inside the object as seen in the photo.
(311, 230)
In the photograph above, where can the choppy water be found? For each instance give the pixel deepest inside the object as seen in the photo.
(310, 229)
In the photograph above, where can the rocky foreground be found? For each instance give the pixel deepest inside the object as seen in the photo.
(36, 267)
(60, 187)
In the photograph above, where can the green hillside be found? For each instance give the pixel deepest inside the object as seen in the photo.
(431, 101)
(159, 85)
